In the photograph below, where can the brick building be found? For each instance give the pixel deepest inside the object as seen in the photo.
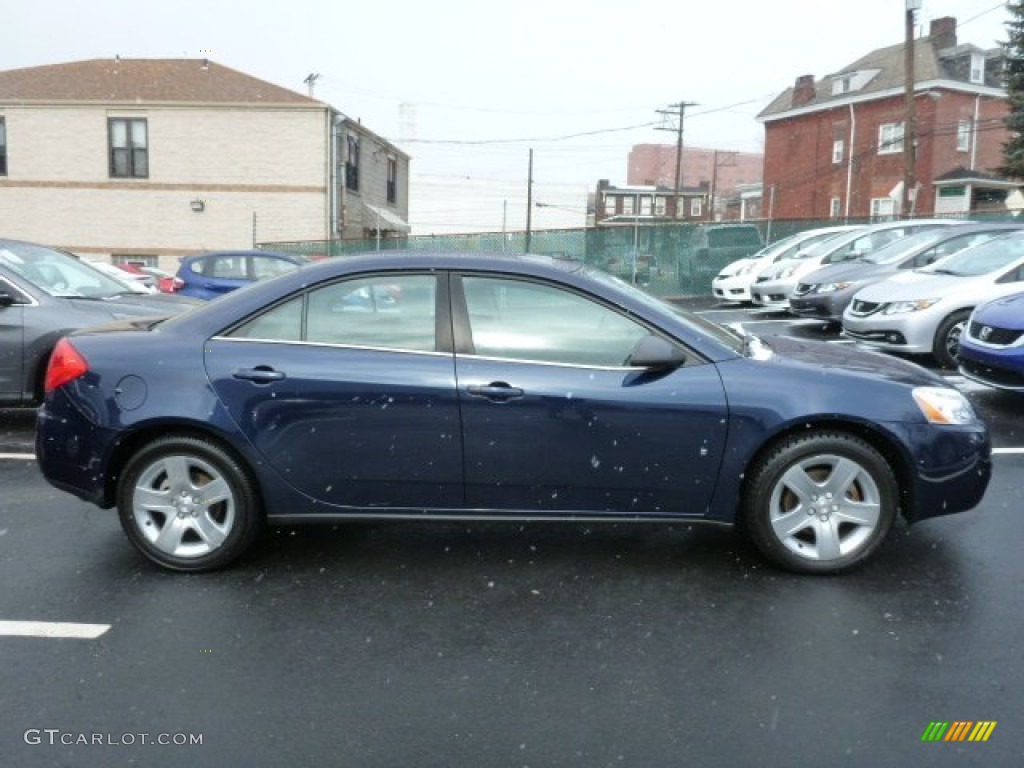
(724, 173)
(834, 147)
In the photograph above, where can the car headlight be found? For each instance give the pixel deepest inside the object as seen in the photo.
(943, 405)
(899, 307)
(833, 287)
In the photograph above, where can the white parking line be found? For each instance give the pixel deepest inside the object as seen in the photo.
(52, 629)
(25, 456)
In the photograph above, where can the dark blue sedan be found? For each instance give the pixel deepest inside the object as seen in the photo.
(492, 387)
(992, 344)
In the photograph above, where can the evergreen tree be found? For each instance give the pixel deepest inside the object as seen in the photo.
(1013, 150)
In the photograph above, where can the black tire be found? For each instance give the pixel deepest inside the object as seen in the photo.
(166, 481)
(946, 347)
(820, 502)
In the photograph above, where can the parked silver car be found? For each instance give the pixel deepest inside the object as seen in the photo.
(734, 281)
(924, 311)
(825, 293)
(775, 285)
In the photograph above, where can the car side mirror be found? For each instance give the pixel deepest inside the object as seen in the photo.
(656, 353)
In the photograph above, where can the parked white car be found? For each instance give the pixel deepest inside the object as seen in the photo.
(924, 311)
(131, 282)
(734, 281)
(776, 284)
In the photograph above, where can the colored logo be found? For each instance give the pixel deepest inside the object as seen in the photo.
(959, 730)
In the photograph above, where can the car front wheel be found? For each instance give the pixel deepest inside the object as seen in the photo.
(820, 502)
(187, 504)
(946, 348)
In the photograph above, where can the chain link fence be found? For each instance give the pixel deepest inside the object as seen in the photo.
(668, 260)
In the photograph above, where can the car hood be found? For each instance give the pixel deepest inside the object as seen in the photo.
(908, 286)
(1007, 312)
(852, 270)
(816, 356)
(803, 266)
(732, 268)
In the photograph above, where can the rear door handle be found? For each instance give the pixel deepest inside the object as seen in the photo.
(498, 391)
(261, 374)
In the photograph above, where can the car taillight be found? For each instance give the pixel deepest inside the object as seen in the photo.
(66, 364)
(175, 285)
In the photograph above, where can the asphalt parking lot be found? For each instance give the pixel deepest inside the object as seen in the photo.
(511, 645)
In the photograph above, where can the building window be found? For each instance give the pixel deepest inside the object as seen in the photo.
(837, 150)
(392, 180)
(833, 208)
(695, 206)
(609, 205)
(352, 162)
(627, 206)
(883, 208)
(963, 135)
(659, 206)
(129, 148)
(645, 206)
(977, 68)
(3, 147)
(890, 138)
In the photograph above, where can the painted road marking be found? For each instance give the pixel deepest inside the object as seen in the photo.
(25, 456)
(52, 629)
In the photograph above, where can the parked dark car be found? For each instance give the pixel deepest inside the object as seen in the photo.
(209, 275)
(46, 293)
(710, 247)
(499, 388)
(825, 293)
(992, 345)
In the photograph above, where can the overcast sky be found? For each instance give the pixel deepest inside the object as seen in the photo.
(577, 80)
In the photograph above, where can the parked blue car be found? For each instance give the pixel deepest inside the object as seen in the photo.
(209, 275)
(992, 344)
(493, 387)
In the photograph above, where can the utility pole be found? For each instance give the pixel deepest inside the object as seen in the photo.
(909, 132)
(529, 204)
(677, 110)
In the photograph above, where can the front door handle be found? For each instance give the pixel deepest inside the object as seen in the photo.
(497, 391)
(261, 374)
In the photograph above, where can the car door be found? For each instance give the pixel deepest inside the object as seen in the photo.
(352, 402)
(12, 342)
(216, 275)
(554, 420)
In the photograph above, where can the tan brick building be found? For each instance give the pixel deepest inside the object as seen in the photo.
(151, 159)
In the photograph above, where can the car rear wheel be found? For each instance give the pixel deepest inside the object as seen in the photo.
(187, 504)
(820, 503)
(946, 347)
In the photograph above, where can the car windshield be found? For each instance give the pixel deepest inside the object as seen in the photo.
(904, 246)
(980, 259)
(58, 273)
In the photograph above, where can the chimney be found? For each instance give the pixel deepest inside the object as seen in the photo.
(803, 91)
(943, 33)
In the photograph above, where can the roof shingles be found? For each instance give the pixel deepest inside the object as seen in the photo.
(152, 81)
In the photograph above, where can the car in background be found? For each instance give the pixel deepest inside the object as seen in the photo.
(924, 311)
(992, 344)
(157, 278)
(734, 281)
(825, 293)
(776, 284)
(495, 387)
(46, 293)
(209, 275)
(136, 283)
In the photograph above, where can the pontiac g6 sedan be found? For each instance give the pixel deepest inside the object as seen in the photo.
(492, 387)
